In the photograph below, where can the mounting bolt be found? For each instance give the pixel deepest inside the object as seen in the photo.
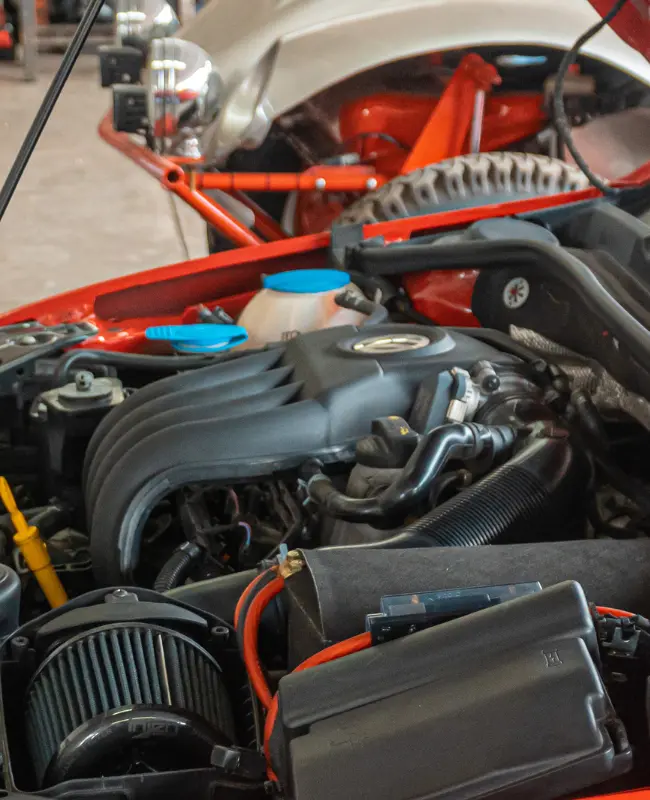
(371, 183)
(121, 596)
(292, 564)
(491, 383)
(320, 183)
(84, 380)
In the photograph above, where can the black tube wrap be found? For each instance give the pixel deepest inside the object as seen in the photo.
(552, 260)
(177, 567)
(328, 600)
(536, 493)
(462, 441)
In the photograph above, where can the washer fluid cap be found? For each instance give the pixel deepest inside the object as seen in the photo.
(198, 338)
(306, 281)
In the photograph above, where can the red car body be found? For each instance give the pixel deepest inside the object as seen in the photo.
(123, 308)
(171, 294)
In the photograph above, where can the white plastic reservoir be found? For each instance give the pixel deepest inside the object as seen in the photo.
(295, 302)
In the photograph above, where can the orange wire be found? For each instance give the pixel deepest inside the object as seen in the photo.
(246, 593)
(614, 612)
(251, 629)
(345, 648)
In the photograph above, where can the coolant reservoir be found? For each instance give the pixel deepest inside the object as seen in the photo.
(296, 302)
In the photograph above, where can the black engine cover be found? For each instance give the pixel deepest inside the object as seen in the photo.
(253, 415)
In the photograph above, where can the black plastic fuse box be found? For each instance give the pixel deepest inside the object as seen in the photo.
(507, 702)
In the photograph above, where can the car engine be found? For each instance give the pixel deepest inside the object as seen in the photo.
(423, 517)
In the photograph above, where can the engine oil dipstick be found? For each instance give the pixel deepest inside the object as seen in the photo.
(33, 549)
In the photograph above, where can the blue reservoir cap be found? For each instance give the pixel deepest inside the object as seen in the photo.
(198, 338)
(306, 281)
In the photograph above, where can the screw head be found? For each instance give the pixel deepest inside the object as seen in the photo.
(371, 183)
(84, 380)
(320, 183)
(491, 383)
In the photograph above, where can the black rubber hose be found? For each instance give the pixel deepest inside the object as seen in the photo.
(461, 440)
(535, 491)
(375, 288)
(375, 313)
(177, 567)
(72, 358)
(550, 259)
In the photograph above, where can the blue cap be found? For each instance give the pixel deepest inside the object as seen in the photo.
(306, 281)
(199, 338)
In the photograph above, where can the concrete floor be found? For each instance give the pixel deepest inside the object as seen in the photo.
(82, 212)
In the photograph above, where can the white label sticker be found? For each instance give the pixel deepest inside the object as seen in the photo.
(516, 293)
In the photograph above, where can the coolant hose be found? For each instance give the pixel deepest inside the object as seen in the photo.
(530, 495)
(380, 290)
(460, 440)
(549, 259)
(177, 567)
(375, 313)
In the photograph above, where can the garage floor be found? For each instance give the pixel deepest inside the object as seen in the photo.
(82, 212)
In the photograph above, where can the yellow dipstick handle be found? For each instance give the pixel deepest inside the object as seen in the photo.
(28, 540)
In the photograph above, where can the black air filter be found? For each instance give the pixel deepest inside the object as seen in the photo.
(133, 667)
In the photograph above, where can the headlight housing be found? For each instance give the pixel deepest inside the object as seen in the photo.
(184, 92)
(137, 22)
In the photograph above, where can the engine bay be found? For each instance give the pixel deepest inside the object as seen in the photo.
(186, 534)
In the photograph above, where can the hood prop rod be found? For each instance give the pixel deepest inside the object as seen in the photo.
(49, 101)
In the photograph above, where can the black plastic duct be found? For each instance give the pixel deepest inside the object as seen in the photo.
(553, 260)
(537, 490)
(250, 417)
(461, 441)
(166, 395)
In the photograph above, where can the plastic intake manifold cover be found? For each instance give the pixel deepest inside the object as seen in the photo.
(506, 703)
(248, 417)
